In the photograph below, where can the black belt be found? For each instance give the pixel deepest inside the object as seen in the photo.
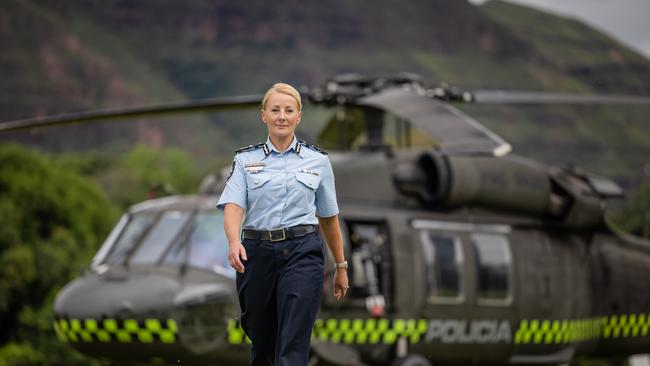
(279, 234)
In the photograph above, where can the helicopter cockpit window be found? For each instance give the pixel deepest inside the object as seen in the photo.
(208, 244)
(159, 237)
(131, 234)
(494, 269)
(443, 256)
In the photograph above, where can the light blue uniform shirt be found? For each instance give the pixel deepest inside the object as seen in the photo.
(279, 190)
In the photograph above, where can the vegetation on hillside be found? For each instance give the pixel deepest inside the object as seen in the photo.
(55, 212)
(52, 222)
(141, 173)
(112, 54)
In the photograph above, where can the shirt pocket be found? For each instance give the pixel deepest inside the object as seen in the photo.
(308, 180)
(257, 194)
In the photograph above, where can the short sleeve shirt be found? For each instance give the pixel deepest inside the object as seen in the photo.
(281, 189)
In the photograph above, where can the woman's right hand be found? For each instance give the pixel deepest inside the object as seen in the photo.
(236, 256)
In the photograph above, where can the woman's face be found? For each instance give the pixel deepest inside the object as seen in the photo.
(281, 115)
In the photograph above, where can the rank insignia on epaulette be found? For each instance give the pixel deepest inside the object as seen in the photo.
(251, 147)
(313, 147)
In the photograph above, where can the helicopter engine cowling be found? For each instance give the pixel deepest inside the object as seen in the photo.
(502, 183)
(443, 181)
(510, 184)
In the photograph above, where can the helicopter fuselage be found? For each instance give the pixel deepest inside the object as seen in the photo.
(456, 285)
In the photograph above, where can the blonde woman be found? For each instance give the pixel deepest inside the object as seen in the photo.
(283, 191)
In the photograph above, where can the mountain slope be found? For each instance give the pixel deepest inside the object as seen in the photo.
(54, 64)
(118, 53)
(611, 140)
(579, 51)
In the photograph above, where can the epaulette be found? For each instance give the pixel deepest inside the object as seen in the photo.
(251, 148)
(313, 147)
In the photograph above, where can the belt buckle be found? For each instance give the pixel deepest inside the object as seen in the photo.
(284, 235)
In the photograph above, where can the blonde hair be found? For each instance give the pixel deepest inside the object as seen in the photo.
(282, 88)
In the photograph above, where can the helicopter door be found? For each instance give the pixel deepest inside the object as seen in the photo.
(368, 248)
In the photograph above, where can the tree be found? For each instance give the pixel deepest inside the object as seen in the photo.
(53, 219)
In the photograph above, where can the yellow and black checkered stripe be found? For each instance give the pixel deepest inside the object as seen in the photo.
(557, 331)
(236, 335)
(634, 325)
(353, 331)
(571, 331)
(116, 330)
(369, 331)
(358, 331)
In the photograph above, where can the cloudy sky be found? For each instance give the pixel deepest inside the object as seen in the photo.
(626, 20)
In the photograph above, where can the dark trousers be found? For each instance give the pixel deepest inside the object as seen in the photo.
(279, 293)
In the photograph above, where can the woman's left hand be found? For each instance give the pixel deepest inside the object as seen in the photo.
(341, 284)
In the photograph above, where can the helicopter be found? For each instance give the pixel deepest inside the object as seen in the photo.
(459, 254)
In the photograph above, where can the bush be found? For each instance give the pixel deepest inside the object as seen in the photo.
(53, 219)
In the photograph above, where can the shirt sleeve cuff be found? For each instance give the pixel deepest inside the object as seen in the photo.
(222, 204)
(328, 213)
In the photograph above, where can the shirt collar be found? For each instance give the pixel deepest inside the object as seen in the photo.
(295, 146)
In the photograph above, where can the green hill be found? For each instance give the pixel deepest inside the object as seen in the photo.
(52, 63)
(65, 56)
(609, 140)
(580, 52)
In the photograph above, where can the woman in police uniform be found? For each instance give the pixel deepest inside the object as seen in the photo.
(283, 190)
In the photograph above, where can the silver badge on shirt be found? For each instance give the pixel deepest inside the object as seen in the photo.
(254, 167)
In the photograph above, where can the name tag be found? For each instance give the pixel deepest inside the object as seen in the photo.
(254, 167)
(312, 172)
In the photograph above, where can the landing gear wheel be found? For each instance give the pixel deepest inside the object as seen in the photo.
(411, 360)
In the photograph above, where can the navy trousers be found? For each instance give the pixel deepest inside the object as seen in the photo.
(279, 293)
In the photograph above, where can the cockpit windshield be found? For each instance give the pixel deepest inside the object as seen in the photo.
(174, 237)
(207, 243)
(160, 236)
(130, 236)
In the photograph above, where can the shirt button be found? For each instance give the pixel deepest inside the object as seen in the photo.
(256, 181)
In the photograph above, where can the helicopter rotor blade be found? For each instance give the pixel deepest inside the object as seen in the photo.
(458, 133)
(532, 97)
(202, 105)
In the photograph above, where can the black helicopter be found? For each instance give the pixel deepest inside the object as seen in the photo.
(460, 254)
